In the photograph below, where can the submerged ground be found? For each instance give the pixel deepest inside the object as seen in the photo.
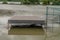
(26, 31)
(50, 34)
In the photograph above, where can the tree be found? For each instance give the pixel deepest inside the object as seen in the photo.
(9, 0)
(56, 2)
(5, 2)
(46, 2)
(31, 1)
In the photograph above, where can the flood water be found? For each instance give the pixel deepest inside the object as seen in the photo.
(21, 10)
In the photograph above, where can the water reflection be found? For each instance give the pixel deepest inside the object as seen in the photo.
(26, 10)
(4, 32)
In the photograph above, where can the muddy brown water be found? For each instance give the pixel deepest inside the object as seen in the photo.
(51, 34)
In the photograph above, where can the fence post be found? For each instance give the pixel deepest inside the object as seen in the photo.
(46, 23)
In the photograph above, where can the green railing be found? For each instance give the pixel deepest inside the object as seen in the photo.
(52, 16)
(53, 21)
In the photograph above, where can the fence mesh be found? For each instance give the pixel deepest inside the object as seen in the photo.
(53, 17)
(52, 23)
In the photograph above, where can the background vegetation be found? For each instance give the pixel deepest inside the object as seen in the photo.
(30, 1)
(45, 2)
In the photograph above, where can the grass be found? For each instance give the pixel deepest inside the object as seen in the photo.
(26, 31)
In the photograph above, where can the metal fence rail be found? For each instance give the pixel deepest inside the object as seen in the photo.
(52, 20)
